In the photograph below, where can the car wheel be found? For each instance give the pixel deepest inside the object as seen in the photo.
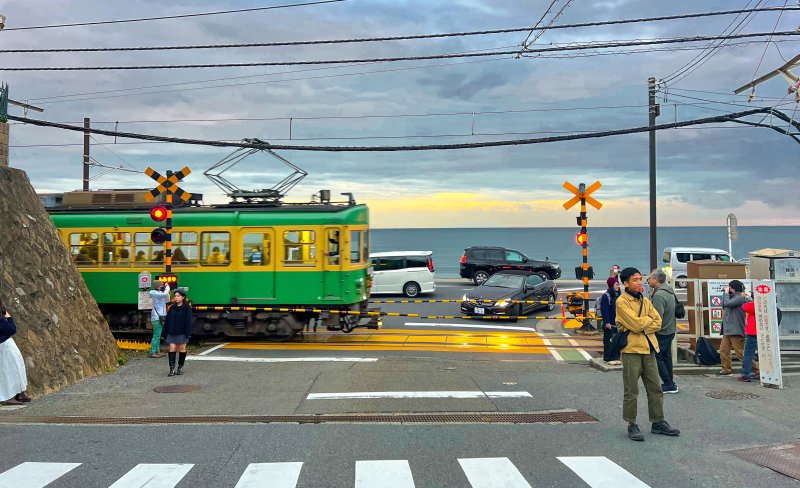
(480, 276)
(681, 283)
(551, 302)
(516, 311)
(411, 289)
(544, 276)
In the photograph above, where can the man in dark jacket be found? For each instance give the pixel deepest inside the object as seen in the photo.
(663, 298)
(608, 312)
(733, 322)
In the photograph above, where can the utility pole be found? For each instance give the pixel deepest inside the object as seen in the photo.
(86, 125)
(653, 112)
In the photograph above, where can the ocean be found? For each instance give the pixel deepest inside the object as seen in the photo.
(625, 246)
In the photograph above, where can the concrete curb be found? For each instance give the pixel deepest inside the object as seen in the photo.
(684, 369)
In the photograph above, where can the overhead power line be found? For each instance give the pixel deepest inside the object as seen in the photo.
(395, 38)
(731, 117)
(576, 47)
(165, 17)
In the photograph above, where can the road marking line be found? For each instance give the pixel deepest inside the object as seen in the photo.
(573, 342)
(384, 474)
(601, 472)
(153, 476)
(35, 475)
(205, 353)
(492, 473)
(275, 475)
(236, 359)
(417, 394)
(552, 350)
(470, 326)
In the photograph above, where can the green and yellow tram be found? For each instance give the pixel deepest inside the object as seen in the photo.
(240, 254)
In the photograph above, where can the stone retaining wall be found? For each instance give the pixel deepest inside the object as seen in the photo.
(60, 330)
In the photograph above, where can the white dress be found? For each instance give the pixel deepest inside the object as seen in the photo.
(13, 378)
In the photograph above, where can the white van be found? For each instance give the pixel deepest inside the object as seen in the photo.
(408, 272)
(675, 259)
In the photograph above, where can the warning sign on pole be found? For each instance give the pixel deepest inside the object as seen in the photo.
(769, 347)
(144, 280)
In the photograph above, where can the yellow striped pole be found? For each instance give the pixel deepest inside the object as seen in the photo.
(168, 228)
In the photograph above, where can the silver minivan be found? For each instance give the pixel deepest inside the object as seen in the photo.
(675, 258)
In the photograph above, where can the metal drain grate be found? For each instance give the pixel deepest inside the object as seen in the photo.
(731, 395)
(176, 388)
(547, 417)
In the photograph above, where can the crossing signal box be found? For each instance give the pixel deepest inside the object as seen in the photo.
(159, 234)
(170, 279)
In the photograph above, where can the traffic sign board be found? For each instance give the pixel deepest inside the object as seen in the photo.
(144, 279)
(168, 184)
(582, 194)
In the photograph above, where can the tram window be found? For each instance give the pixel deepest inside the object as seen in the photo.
(216, 248)
(85, 248)
(365, 250)
(145, 252)
(334, 245)
(117, 248)
(299, 247)
(256, 249)
(355, 246)
(184, 248)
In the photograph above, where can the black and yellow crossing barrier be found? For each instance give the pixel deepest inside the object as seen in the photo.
(527, 302)
(204, 308)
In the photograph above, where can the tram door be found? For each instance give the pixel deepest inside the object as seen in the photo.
(257, 279)
(332, 264)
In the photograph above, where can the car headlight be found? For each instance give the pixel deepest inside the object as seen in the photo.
(502, 303)
(464, 298)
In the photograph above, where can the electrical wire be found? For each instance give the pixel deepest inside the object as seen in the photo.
(755, 72)
(536, 26)
(473, 145)
(576, 47)
(696, 63)
(549, 24)
(165, 17)
(400, 38)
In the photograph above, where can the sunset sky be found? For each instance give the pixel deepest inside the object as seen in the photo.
(704, 172)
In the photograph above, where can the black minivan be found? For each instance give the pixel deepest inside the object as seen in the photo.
(480, 262)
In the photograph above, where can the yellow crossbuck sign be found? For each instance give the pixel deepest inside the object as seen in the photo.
(168, 184)
(577, 198)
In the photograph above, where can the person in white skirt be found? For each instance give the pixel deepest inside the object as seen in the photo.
(13, 378)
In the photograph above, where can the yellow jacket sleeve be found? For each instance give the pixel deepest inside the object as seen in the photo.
(655, 318)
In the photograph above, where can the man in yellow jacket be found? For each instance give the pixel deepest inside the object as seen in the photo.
(637, 317)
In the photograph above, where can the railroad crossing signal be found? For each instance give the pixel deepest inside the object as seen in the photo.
(169, 186)
(584, 271)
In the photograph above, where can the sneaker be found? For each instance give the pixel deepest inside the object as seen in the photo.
(669, 389)
(634, 433)
(615, 362)
(664, 428)
(755, 376)
(745, 379)
(720, 374)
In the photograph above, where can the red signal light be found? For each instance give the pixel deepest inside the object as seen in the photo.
(582, 239)
(158, 213)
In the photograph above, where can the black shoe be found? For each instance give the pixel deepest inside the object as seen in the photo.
(664, 428)
(171, 372)
(180, 370)
(634, 433)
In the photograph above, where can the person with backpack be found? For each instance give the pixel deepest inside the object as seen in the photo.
(638, 322)
(733, 323)
(608, 312)
(664, 301)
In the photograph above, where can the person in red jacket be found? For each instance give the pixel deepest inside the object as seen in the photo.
(750, 343)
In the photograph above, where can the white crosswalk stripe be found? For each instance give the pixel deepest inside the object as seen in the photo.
(35, 475)
(383, 474)
(153, 476)
(492, 473)
(601, 472)
(498, 472)
(279, 475)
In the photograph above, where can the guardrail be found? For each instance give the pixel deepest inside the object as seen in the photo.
(204, 308)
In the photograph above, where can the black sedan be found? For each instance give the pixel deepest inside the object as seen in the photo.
(495, 295)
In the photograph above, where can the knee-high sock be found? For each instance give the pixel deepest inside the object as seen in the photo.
(172, 360)
(181, 358)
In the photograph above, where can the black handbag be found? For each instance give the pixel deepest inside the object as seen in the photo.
(618, 343)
